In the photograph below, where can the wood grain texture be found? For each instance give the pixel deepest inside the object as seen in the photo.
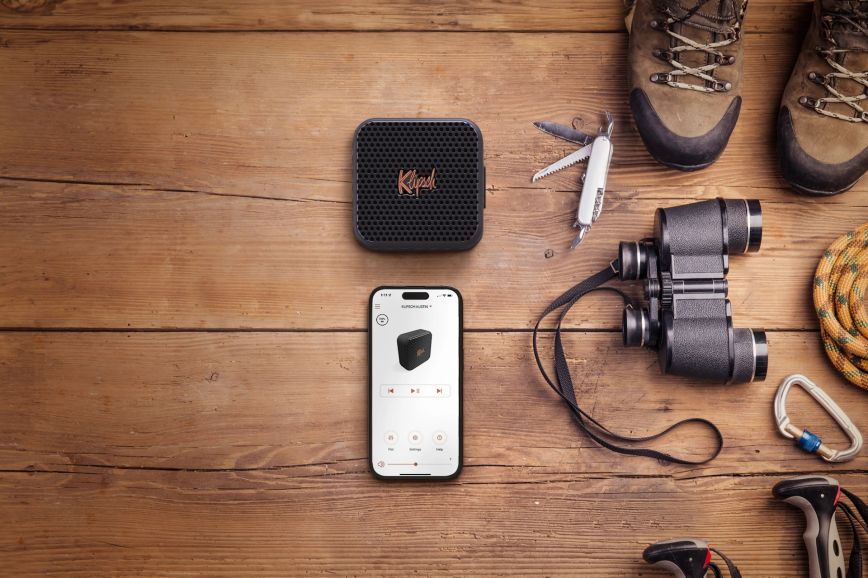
(108, 256)
(457, 15)
(245, 454)
(182, 304)
(263, 114)
(132, 522)
(297, 403)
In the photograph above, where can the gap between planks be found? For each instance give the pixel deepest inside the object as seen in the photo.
(322, 330)
(489, 190)
(568, 476)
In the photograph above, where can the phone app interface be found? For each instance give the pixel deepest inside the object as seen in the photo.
(414, 376)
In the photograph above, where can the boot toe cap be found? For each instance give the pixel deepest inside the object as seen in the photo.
(809, 175)
(677, 151)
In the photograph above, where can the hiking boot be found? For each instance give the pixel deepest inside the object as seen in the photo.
(685, 77)
(823, 123)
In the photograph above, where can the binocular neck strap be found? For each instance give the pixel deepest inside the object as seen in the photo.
(563, 382)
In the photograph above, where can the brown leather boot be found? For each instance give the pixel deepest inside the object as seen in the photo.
(823, 123)
(685, 77)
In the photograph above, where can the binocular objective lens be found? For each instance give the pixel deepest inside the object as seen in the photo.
(751, 361)
(744, 223)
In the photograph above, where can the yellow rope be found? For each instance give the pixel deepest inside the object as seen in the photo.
(840, 286)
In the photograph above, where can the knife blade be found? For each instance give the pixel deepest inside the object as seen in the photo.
(565, 162)
(564, 132)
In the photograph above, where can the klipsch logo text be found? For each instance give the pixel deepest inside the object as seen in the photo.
(411, 185)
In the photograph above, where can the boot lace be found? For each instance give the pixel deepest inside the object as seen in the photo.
(855, 20)
(728, 28)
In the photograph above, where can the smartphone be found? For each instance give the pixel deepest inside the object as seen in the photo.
(416, 364)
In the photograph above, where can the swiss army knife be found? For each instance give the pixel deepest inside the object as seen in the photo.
(598, 151)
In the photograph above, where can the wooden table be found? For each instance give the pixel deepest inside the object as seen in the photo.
(183, 363)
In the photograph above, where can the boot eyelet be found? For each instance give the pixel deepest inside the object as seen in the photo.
(721, 86)
(661, 77)
(725, 60)
(808, 102)
(816, 78)
(864, 116)
(664, 55)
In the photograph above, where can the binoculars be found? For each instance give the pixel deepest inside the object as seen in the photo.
(688, 318)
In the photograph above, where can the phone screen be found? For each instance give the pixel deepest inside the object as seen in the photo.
(415, 381)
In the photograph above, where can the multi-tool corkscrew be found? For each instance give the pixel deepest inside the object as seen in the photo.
(598, 151)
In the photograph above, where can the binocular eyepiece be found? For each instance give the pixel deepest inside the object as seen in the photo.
(688, 319)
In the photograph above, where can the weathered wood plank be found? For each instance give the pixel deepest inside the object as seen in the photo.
(273, 114)
(296, 404)
(105, 256)
(224, 163)
(239, 453)
(456, 15)
(157, 523)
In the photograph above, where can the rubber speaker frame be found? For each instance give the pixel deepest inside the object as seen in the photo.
(448, 217)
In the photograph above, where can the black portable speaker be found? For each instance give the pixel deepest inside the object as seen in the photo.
(418, 184)
(414, 348)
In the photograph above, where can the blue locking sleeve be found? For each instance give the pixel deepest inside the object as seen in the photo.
(809, 442)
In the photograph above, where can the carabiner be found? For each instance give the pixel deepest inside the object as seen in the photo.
(807, 440)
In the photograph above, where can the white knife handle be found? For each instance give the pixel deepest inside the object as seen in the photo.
(595, 180)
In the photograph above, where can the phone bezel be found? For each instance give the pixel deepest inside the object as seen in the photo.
(421, 477)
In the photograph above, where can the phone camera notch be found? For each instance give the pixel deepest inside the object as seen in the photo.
(415, 295)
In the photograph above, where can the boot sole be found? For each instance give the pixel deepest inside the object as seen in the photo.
(685, 168)
(676, 151)
(819, 178)
(818, 193)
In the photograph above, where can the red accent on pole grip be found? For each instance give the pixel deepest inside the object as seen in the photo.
(707, 558)
(838, 495)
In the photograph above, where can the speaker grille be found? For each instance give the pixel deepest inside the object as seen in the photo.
(447, 216)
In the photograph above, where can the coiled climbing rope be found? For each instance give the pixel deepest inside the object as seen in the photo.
(840, 285)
